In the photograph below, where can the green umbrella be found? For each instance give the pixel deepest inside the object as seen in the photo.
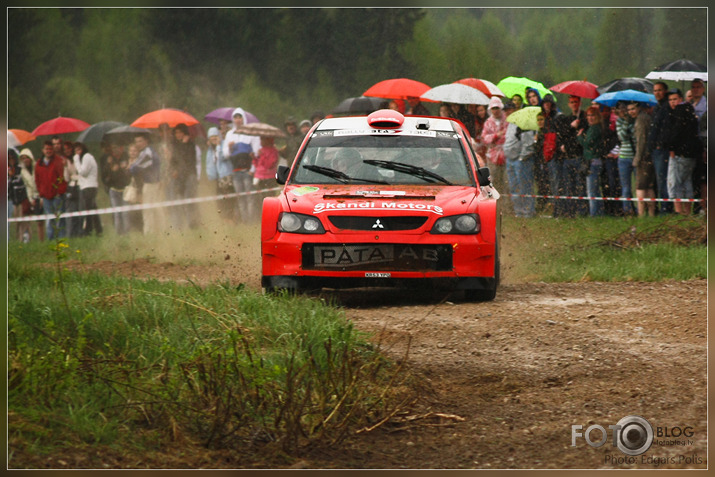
(512, 85)
(525, 118)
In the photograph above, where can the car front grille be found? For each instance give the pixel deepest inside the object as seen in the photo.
(350, 222)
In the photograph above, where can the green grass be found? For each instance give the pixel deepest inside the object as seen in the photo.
(227, 367)
(603, 249)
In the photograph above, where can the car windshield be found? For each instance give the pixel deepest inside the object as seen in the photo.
(420, 158)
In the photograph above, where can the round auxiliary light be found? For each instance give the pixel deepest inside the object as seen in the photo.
(385, 119)
(443, 226)
(466, 223)
(311, 224)
(289, 223)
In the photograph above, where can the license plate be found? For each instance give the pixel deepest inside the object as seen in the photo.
(352, 255)
(377, 275)
(371, 257)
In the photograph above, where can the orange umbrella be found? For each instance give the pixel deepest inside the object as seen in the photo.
(60, 125)
(397, 88)
(18, 137)
(170, 116)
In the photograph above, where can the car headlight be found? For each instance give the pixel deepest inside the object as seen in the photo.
(457, 224)
(299, 224)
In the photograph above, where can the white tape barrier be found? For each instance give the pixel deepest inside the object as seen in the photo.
(628, 199)
(151, 205)
(172, 203)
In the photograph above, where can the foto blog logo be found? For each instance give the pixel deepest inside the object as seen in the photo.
(633, 435)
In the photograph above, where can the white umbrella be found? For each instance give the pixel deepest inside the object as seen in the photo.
(679, 70)
(456, 93)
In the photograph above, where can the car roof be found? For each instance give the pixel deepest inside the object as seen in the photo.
(360, 122)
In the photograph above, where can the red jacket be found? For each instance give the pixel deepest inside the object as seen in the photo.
(50, 178)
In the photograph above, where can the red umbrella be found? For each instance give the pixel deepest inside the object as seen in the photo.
(60, 125)
(486, 87)
(582, 89)
(397, 88)
(170, 116)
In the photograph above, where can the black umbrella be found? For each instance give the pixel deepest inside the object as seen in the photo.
(125, 134)
(359, 105)
(637, 84)
(96, 131)
(679, 70)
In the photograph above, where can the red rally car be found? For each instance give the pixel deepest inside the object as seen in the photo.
(383, 200)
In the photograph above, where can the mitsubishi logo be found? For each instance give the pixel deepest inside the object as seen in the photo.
(378, 225)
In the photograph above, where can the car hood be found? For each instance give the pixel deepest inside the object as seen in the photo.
(376, 200)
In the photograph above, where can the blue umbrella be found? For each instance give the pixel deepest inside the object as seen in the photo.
(612, 98)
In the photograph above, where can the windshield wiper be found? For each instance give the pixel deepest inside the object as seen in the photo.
(416, 171)
(339, 175)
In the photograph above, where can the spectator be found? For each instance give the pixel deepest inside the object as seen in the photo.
(519, 153)
(574, 170)
(219, 169)
(58, 146)
(146, 170)
(493, 136)
(518, 101)
(624, 128)
(264, 165)
(115, 177)
(52, 185)
(460, 113)
(698, 99)
(642, 161)
(480, 117)
(543, 153)
(74, 224)
(183, 181)
(416, 107)
(17, 195)
(533, 97)
(305, 126)
(700, 173)
(610, 182)
(684, 147)
(445, 111)
(241, 149)
(316, 116)
(293, 141)
(397, 105)
(656, 145)
(87, 173)
(590, 139)
(552, 151)
(136, 222)
(27, 167)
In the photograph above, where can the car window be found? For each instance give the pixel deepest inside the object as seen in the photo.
(438, 152)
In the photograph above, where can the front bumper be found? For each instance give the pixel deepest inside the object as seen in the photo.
(288, 262)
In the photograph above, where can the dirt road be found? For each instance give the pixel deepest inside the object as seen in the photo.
(502, 383)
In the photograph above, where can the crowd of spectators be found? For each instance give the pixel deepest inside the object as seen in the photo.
(630, 151)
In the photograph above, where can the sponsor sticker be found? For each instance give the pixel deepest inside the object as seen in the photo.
(377, 204)
(304, 190)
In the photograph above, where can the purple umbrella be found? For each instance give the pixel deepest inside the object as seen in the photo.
(225, 114)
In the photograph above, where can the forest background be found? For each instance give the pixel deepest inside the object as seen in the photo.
(118, 63)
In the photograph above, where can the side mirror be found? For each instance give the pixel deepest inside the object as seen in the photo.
(282, 174)
(483, 176)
